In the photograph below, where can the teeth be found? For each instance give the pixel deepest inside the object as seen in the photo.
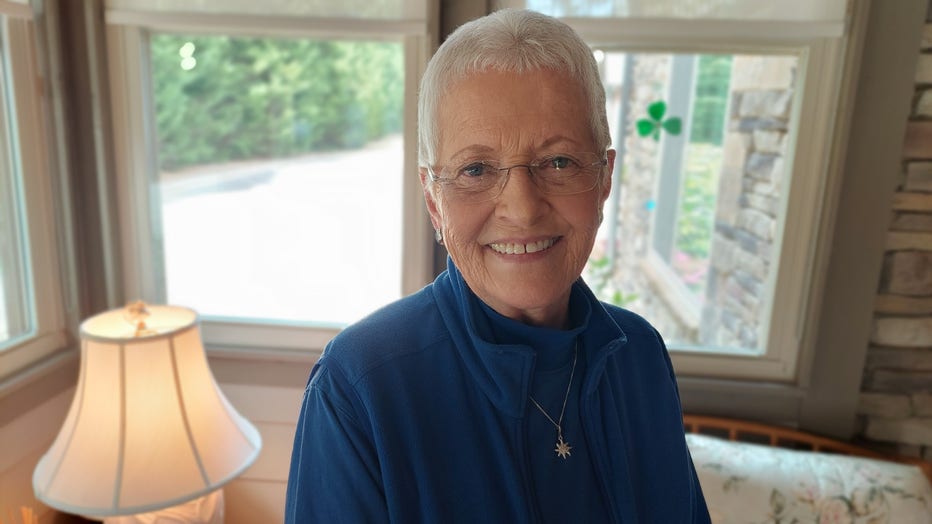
(520, 249)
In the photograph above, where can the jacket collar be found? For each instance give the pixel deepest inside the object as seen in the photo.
(502, 371)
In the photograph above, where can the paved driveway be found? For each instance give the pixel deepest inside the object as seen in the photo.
(311, 239)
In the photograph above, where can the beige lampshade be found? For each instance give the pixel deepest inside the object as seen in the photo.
(148, 427)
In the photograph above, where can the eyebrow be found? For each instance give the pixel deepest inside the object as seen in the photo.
(476, 149)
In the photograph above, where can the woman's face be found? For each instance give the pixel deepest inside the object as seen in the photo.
(517, 119)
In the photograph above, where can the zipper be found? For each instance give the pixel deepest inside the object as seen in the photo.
(530, 493)
(597, 448)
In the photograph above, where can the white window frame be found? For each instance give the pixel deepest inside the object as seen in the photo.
(43, 271)
(790, 321)
(134, 152)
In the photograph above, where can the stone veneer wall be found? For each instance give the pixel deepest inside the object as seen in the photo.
(895, 405)
(749, 202)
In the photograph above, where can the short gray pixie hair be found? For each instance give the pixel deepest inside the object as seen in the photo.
(510, 40)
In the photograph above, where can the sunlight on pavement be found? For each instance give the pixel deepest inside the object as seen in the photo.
(309, 239)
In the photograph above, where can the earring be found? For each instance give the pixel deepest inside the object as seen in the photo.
(438, 236)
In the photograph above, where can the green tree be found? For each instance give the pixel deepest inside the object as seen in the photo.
(243, 98)
(711, 99)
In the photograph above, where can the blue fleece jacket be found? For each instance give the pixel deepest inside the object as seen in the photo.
(411, 416)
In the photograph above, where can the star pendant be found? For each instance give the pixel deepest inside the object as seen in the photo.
(562, 449)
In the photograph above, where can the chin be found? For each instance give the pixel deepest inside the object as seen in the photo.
(530, 302)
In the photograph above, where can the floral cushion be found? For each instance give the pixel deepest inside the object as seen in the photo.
(750, 483)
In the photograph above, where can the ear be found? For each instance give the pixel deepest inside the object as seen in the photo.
(430, 198)
(607, 181)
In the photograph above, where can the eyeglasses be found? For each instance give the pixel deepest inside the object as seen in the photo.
(482, 180)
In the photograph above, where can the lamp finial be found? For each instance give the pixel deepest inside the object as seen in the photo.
(136, 313)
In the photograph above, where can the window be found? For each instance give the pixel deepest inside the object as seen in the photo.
(698, 228)
(32, 324)
(280, 193)
(16, 312)
(277, 192)
(721, 114)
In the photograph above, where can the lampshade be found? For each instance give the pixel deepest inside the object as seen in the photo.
(148, 427)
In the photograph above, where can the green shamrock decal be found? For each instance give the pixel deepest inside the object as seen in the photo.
(652, 126)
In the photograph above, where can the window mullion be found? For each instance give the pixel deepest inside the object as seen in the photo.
(673, 152)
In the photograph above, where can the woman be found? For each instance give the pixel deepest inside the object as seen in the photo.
(504, 391)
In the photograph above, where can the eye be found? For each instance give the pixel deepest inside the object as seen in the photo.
(558, 163)
(476, 169)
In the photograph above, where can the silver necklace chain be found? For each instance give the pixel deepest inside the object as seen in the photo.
(563, 448)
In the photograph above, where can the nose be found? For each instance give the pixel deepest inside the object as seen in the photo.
(520, 200)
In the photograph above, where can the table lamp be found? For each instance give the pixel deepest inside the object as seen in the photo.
(149, 437)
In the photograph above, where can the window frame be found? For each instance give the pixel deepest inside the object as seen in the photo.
(134, 152)
(43, 269)
(790, 321)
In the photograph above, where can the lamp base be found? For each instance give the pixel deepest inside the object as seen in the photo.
(205, 510)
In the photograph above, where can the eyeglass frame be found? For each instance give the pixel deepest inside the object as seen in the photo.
(531, 168)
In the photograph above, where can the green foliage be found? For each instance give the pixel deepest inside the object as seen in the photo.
(695, 221)
(711, 99)
(600, 279)
(262, 98)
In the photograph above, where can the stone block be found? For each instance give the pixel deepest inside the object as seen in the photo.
(919, 178)
(912, 200)
(918, 143)
(920, 222)
(769, 141)
(758, 223)
(735, 151)
(761, 188)
(746, 241)
(910, 359)
(924, 69)
(766, 104)
(761, 166)
(903, 241)
(765, 203)
(910, 273)
(748, 338)
(763, 72)
(902, 332)
(759, 265)
(778, 173)
(727, 257)
(725, 230)
(750, 124)
(922, 403)
(900, 305)
(924, 105)
(729, 194)
(898, 381)
(753, 245)
(723, 255)
(909, 431)
(748, 282)
(884, 405)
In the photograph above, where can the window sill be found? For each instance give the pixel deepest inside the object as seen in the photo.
(30, 387)
(677, 297)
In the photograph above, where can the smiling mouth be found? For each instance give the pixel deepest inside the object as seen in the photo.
(520, 249)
